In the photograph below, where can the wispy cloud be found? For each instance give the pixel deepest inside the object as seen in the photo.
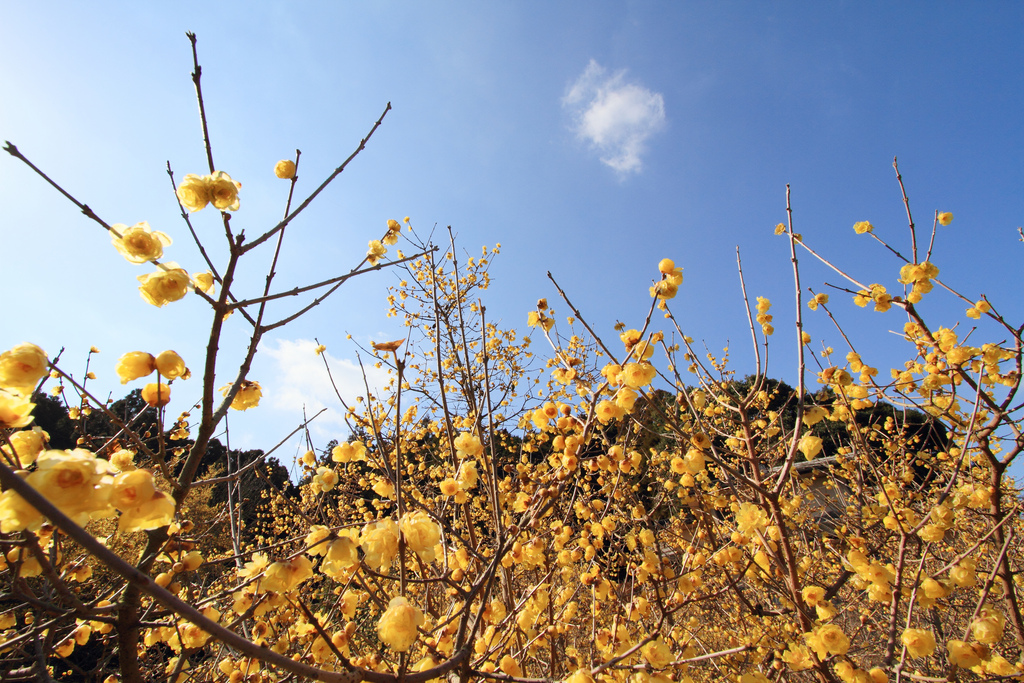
(300, 379)
(614, 115)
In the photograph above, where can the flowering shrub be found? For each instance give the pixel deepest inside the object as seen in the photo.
(610, 513)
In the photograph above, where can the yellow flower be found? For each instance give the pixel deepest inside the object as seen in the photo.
(962, 654)
(342, 556)
(223, 191)
(813, 595)
(625, 398)
(204, 282)
(397, 626)
(636, 375)
(164, 286)
(156, 394)
(394, 230)
(379, 541)
(15, 410)
(133, 365)
(16, 514)
(657, 653)
(285, 169)
(814, 415)
(170, 365)
(988, 628)
(797, 656)
(375, 252)
(139, 243)
(580, 676)
(919, 642)
(347, 452)
(750, 518)
(510, 666)
(154, 513)
(28, 444)
(862, 227)
(963, 574)
(326, 478)
(810, 446)
(780, 228)
(194, 192)
(469, 445)
(467, 475)
(287, 575)
(945, 218)
(75, 481)
(421, 533)
(607, 411)
(248, 396)
(384, 488)
(22, 367)
(131, 489)
(254, 567)
(831, 640)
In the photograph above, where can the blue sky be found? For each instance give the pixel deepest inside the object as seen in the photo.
(589, 139)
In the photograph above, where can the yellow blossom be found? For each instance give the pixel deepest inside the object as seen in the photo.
(510, 666)
(862, 227)
(156, 394)
(945, 218)
(379, 541)
(919, 642)
(813, 595)
(170, 365)
(285, 169)
(194, 192)
(133, 365)
(963, 573)
(828, 639)
(165, 285)
(797, 657)
(467, 475)
(375, 252)
(468, 445)
(27, 444)
(131, 489)
(397, 626)
(342, 556)
(203, 282)
(657, 653)
(287, 575)
(818, 300)
(751, 518)
(248, 396)
(75, 481)
(780, 228)
(580, 676)
(988, 628)
(963, 655)
(636, 375)
(154, 513)
(22, 367)
(421, 533)
(139, 243)
(223, 191)
(254, 567)
(810, 446)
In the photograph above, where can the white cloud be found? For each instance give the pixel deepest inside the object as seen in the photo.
(615, 116)
(300, 379)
